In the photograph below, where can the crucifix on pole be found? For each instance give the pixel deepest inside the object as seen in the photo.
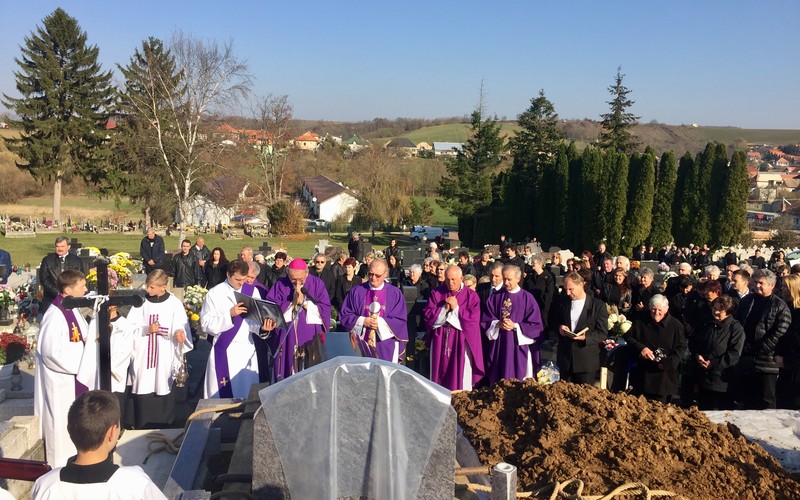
(103, 318)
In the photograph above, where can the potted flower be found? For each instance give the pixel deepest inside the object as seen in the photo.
(7, 296)
(13, 348)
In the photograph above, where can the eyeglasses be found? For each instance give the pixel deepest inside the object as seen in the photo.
(319, 262)
(374, 275)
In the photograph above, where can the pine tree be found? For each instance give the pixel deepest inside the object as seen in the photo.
(661, 229)
(468, 186)
(534, 149)
(618, 123)
(63, 108)
(640, 199)
(732, 221)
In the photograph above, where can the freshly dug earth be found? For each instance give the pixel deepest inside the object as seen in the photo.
(557, 432)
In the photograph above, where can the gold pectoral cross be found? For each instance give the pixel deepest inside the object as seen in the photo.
(224, 381)
(76, 334)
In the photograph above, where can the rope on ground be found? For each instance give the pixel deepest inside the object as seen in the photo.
(559, 491)
(160, 442)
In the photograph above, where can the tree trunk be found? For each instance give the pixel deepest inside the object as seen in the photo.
(57, 200)
(147, 215)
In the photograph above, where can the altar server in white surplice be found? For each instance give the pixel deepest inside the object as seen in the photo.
(159, 346)
(59, 350)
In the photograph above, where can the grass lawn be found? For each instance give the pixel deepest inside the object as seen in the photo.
(32, 250)
(441, 216)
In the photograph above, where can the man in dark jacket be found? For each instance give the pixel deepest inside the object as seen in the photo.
(542, 285)
(152, 250)
(323, 271)
(766, 318)
(757, 260)
(465, 263)
(53, 264)
(201, 252)
(185, 269)
(356, 247)
(584, 325)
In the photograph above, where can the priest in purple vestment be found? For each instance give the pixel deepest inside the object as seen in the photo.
(453, 335)
(513, 325)
(307, 311)
(375, 315)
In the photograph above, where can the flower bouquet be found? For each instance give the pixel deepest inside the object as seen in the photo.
(13, 348)
(25, 298)
(618, 325)
(193, 298)
(113, 278)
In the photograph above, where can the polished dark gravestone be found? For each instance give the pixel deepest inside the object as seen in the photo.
(354, 428)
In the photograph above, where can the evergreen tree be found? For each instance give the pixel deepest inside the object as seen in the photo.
(732, 222)
(619, 122)
(640, 199)
(615, 198)
(718, 180)
(534, 149)
(467, 188)
(63, 108)
(421, 213)
(699, 196)
(661, 229)
(592, 186)
(573, 234)
(683, 203)
(558, 191)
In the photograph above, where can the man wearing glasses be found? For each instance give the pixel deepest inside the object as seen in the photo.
(323, 271)
(375, 315)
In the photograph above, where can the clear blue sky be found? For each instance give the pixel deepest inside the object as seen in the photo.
(709, 62)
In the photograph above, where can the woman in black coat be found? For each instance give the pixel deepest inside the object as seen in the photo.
(657, 343)
(617, 292)
(216, 268)
(396, 274)
(715, 349)
(345, 282)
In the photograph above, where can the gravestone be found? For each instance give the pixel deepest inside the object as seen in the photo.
(265, 248)
(367, 247)
(452, 243)
(402, 445)
(322, 245)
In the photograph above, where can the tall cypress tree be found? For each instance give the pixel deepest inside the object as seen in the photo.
(732, 221)
(592, 187)
(640, 200)
(700, 228)
(661, 228)
(616, 194)
(468, 186)
(618, 122)
(573, 233)
(560, 190)
(64, 105)
(683, 203)
(718, 181)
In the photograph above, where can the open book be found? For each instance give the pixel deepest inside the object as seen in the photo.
(258, 310)
(577, 334)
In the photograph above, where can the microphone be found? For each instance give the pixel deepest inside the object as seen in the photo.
(304, 291)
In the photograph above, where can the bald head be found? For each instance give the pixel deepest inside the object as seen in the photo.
(453, 277)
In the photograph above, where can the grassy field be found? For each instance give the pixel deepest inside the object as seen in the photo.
(727, 135)
(441, 216)
(455, 132)
(32, 250)
(74, 207)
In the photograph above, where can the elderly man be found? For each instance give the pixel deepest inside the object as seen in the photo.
(355, 246)
(603, 276)
(599, 256)
(658, 343)
(766, 318)
(232, 366)
(584, 325)
(323, 271)
(375, 315)
(513, 325)
(53, 265)
(452, 326)
(673, 288)
(643, 292)
(306, 308)
(152, 250)
(201, 251)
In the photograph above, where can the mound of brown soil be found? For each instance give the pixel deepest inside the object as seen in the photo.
(553, 433)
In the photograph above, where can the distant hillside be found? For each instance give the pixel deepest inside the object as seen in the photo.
(678, 138)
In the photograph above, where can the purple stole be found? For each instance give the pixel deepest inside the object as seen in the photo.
(152, 341)
(247, 289)
(224, 339)
(75, 335)
(378, 296)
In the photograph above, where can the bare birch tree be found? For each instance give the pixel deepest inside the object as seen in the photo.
(274, 115)
(176, 90)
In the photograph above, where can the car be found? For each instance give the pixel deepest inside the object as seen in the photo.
(321, 222)
(430, 232)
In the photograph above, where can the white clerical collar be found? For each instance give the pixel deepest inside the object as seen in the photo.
(498, 287)
(516, 290)
(379, 288)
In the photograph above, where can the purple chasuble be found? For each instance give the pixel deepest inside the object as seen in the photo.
(506, 358)
(393, 311)
(283, 343)
(449, 347)
(75, 335)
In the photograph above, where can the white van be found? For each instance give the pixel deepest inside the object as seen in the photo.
(430, 232)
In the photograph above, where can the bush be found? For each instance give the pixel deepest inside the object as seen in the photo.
(285, 217)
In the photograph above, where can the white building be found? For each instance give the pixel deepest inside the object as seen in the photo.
(203, 211)
(328, 199)
(447, 148)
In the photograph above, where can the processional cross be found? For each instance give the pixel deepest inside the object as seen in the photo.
(104, 325)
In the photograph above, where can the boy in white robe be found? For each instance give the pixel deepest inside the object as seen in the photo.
(59, 350)
(159, 345)
(93, 426)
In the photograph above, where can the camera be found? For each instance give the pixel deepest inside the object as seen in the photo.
(659, 355)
